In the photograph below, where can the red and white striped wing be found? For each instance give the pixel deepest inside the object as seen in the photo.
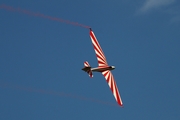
(99, 53)
(112, 84)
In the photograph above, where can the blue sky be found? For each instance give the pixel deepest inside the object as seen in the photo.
(41, 60)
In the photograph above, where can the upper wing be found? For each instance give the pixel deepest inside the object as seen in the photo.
(99, 53)
(112, 84)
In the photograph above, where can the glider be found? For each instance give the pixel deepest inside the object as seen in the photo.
(103, 67)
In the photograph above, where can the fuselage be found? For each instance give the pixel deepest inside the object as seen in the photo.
(101, 69)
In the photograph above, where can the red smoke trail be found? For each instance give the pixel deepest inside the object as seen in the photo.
(9, 8)
(62, 94)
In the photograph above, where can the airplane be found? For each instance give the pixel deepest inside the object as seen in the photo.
(103, 67)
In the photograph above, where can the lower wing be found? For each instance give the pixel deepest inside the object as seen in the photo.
(112, 84)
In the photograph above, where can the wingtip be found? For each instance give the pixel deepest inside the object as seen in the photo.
(121, 105)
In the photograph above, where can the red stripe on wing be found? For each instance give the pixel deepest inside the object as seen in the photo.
(112, 84)
(99, 54)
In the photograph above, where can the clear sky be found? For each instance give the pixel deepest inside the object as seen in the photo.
(41, 59)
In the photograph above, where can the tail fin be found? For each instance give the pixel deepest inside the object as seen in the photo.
(87, 68)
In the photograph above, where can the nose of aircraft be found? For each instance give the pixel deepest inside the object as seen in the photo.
(113, 67)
